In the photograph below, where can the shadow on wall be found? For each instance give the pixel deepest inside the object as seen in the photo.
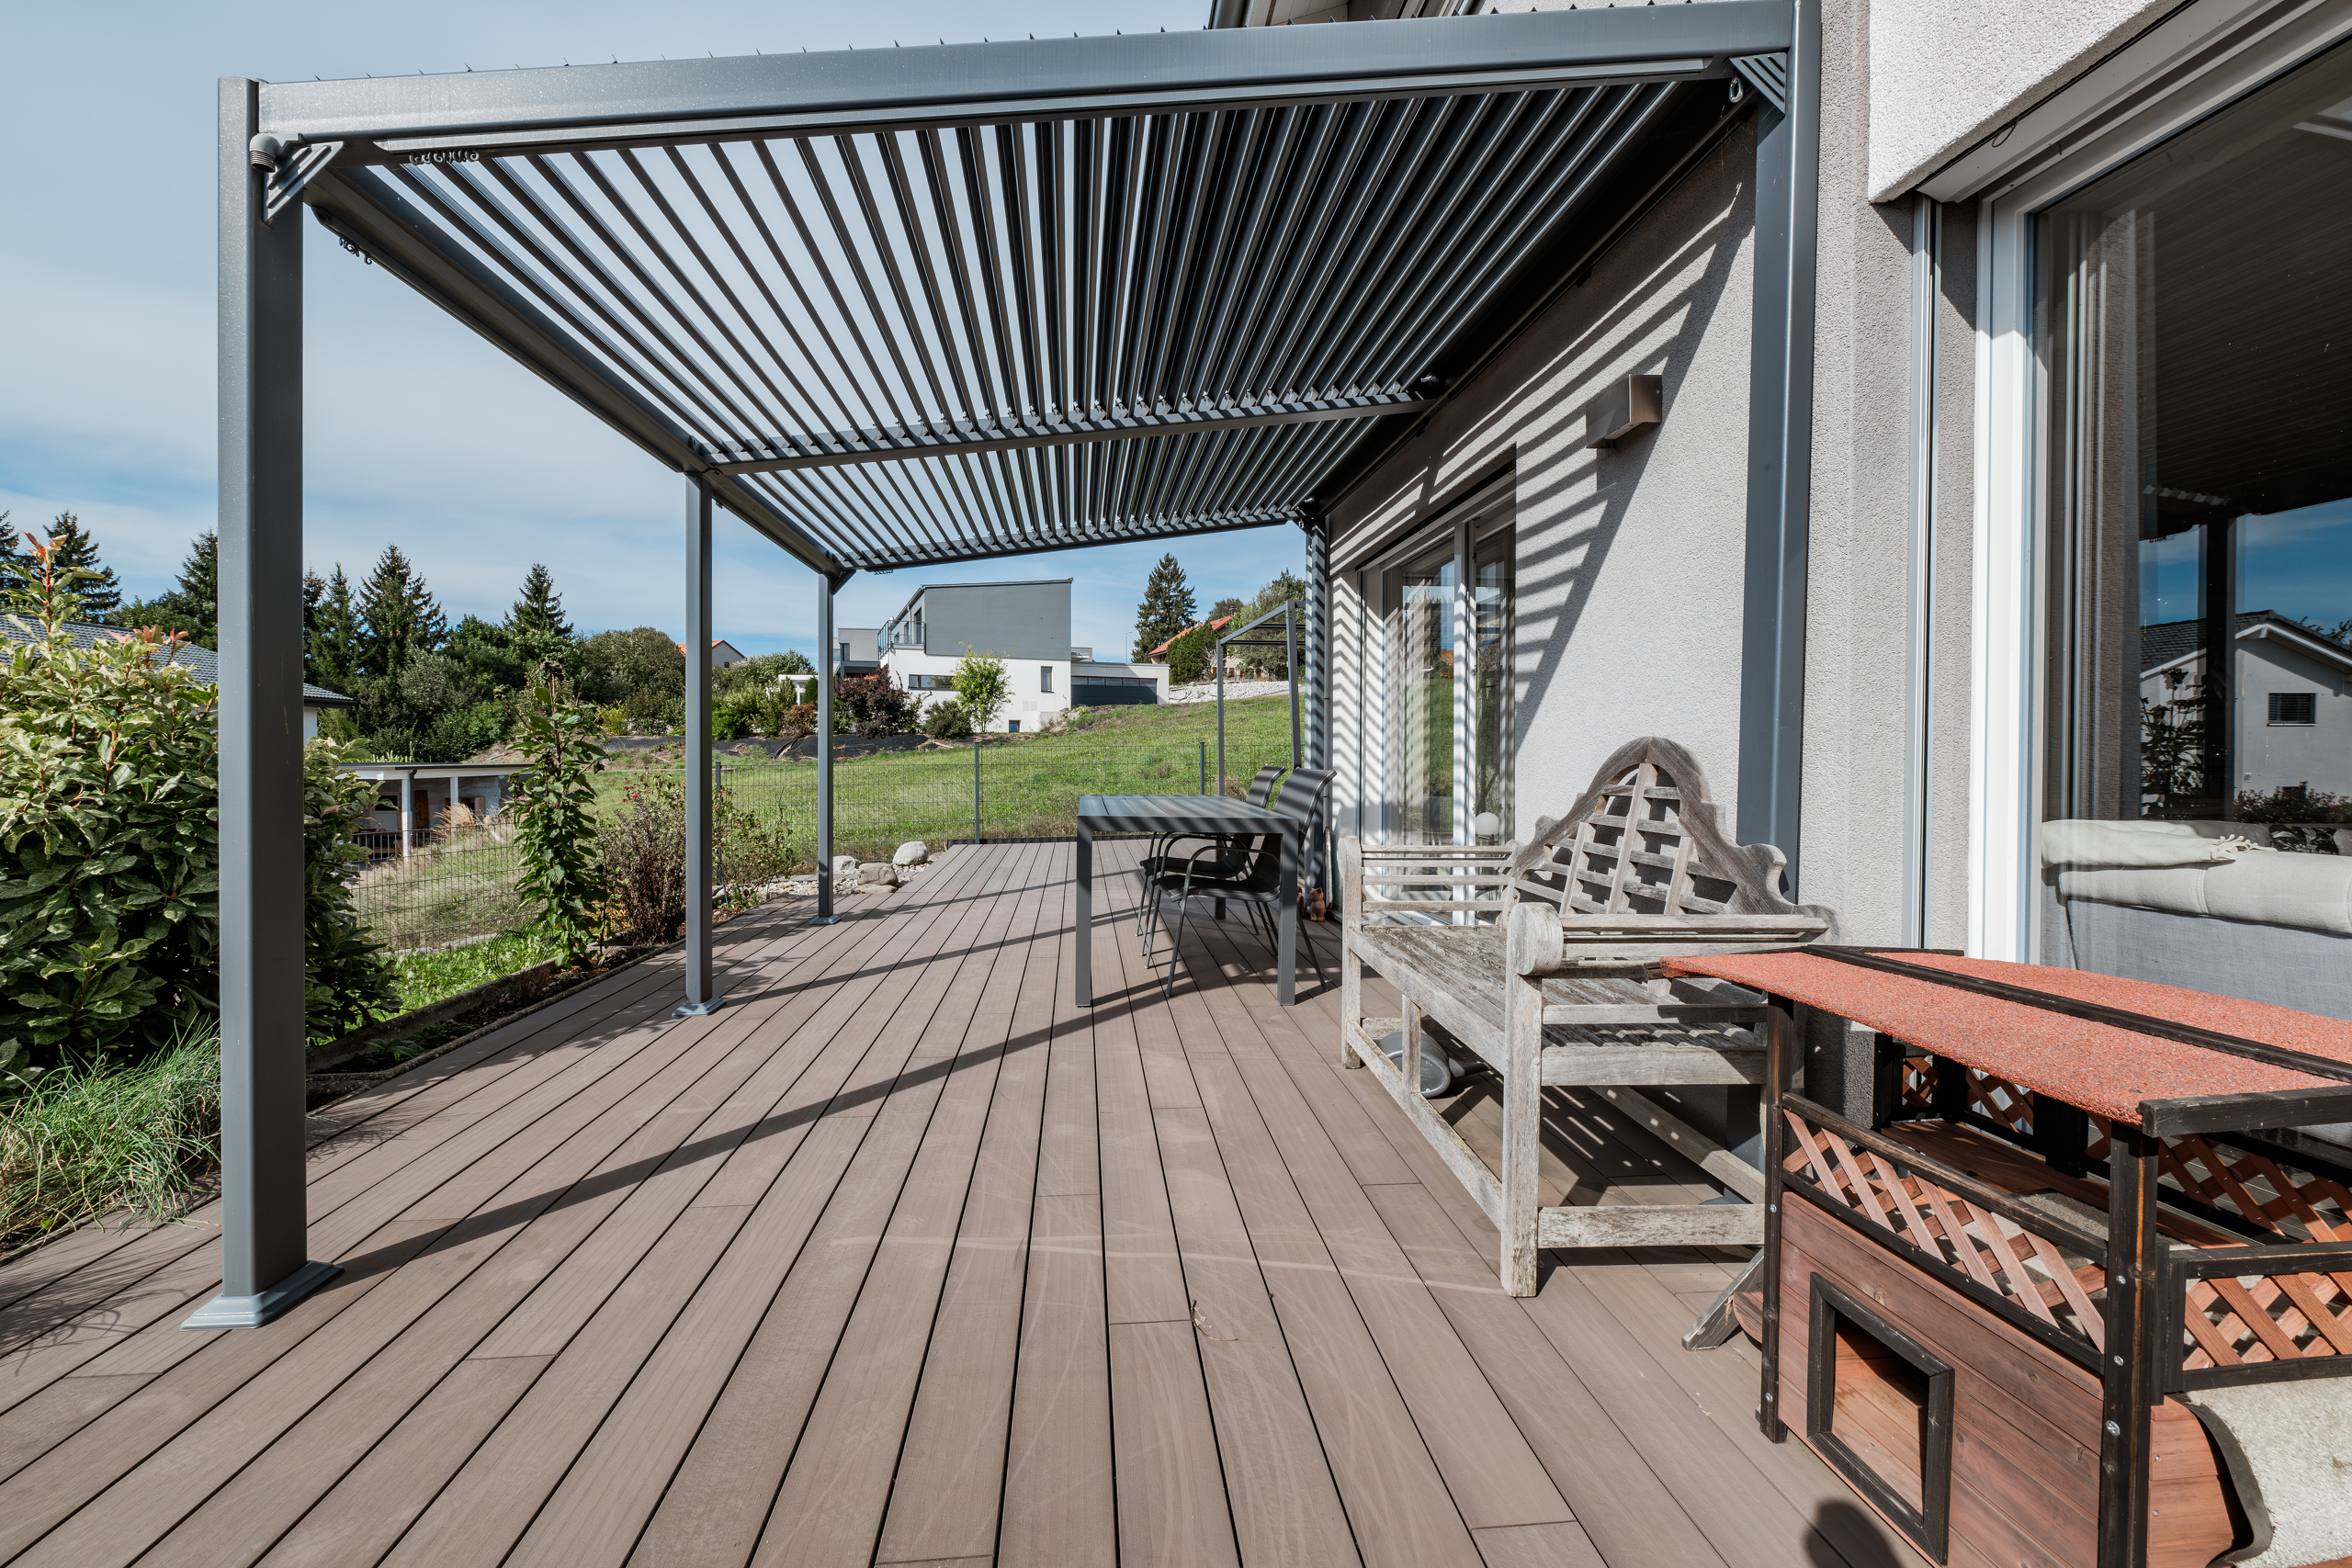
(1561, 558)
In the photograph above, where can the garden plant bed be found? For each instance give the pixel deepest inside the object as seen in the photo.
(381, 1051)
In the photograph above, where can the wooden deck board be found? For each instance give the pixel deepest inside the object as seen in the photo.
(901, 1257)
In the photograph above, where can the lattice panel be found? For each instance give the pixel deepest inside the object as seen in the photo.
(1977, 1243)
(1997, 1100)
(1633, 854)
(2296, 1205)
(2267, 1317)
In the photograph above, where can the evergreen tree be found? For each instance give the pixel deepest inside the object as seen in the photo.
(330, 648)
(401, 616)
(99, 595)
(1168, 607)
(12, 550)
(1225, 607)
(540, 609)
(199, 591)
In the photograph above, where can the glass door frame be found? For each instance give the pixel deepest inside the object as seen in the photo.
(2077, 137)
(1489, 508)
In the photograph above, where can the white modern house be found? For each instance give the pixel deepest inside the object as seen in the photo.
(1027, 625)
(2290, 698)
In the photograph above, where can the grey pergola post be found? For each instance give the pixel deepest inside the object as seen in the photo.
(1780, 448)
(699, 803)
(264, 1267)
(824, 750)
(1318, 662)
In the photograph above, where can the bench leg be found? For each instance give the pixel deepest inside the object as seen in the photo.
(1522, 1123)
(1350, 1003)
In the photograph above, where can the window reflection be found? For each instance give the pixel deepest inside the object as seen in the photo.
(2196, 331)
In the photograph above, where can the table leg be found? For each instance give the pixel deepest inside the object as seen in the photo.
(1286, 897)
(1085, 916)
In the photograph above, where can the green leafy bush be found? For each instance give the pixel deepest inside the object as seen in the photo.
(730, 721)
(348, 982)
(88, 1139)
(554, 807)
(642, 849)
(946, 720)
(109, 882)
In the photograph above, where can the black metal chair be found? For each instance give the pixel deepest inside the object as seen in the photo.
(1229, 863)
(1256, 886)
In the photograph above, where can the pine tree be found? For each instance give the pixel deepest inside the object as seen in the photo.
(199, 582)
(331, 648)
(1168, 607)
(97, 596)
(400, 616)
(541, 608)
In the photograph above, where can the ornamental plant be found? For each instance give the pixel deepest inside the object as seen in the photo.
(982, 687)
(348, 979)
(109, 880)
(554, 807)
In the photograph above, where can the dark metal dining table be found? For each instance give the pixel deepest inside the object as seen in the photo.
(1208, 816)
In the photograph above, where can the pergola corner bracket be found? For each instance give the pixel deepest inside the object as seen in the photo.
(290, 168)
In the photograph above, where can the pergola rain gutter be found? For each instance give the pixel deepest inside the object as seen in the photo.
(896, 308)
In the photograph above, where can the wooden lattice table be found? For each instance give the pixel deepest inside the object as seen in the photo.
(2074, 1203)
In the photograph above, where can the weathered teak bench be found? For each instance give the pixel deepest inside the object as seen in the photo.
(1554, 979)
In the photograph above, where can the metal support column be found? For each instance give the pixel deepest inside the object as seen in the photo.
(1319, 682)
(1780, 454)
(824, 751)
(700, 798)
(264, 1220)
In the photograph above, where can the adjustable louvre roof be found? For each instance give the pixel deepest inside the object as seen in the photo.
(938, 304)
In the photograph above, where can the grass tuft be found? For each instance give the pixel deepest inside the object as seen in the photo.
(81, 1143)
(427, 977)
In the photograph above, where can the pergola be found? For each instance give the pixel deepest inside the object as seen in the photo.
(915, 306)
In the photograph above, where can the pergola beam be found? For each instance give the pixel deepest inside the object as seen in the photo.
(650, 102)
(834, 450)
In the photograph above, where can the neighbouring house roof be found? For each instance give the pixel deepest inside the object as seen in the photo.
(1217, 625)
(2169, 642)
(203, 661)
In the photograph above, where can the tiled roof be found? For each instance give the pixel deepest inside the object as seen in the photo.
(203, 661)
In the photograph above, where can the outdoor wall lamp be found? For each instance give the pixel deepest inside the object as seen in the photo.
(1627, 406)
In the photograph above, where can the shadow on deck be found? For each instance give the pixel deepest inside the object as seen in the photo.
(900, 1258)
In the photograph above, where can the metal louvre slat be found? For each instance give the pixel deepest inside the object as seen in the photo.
(949, 337)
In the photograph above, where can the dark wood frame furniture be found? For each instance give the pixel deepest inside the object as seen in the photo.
(1556, 979)
(1201, 816)
(2096, 1260)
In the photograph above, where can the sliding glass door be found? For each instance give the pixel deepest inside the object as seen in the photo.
(1437, 745)
(2196, 326)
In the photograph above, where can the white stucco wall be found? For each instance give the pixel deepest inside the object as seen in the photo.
(1028, 705)
(1944, 76)
(1630, 562)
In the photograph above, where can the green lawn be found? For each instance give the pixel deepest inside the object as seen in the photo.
(426, 978)
(1029, 786)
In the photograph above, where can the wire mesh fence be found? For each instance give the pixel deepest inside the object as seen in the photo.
(428, 886)
(983, 791)
(450, 882)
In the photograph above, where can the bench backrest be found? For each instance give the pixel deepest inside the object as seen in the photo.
(1646, 840)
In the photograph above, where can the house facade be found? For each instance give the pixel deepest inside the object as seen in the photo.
(2073, 274)
(1027, 625)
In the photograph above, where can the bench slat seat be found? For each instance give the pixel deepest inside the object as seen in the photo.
(1638, 872)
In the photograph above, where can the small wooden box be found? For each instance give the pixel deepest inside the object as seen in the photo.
(2021, 1457)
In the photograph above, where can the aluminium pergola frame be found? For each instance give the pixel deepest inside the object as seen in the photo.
(1068, 292)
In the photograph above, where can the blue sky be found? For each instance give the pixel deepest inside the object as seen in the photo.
(418, 434)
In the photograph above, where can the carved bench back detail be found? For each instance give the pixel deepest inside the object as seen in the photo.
(1647, 839)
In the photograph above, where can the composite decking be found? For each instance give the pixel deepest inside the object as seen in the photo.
(899, 1257)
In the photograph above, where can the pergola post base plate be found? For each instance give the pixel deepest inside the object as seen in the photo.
(251, 1312)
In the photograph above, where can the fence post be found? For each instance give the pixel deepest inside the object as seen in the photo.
(976, 793)
(1205, 767)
